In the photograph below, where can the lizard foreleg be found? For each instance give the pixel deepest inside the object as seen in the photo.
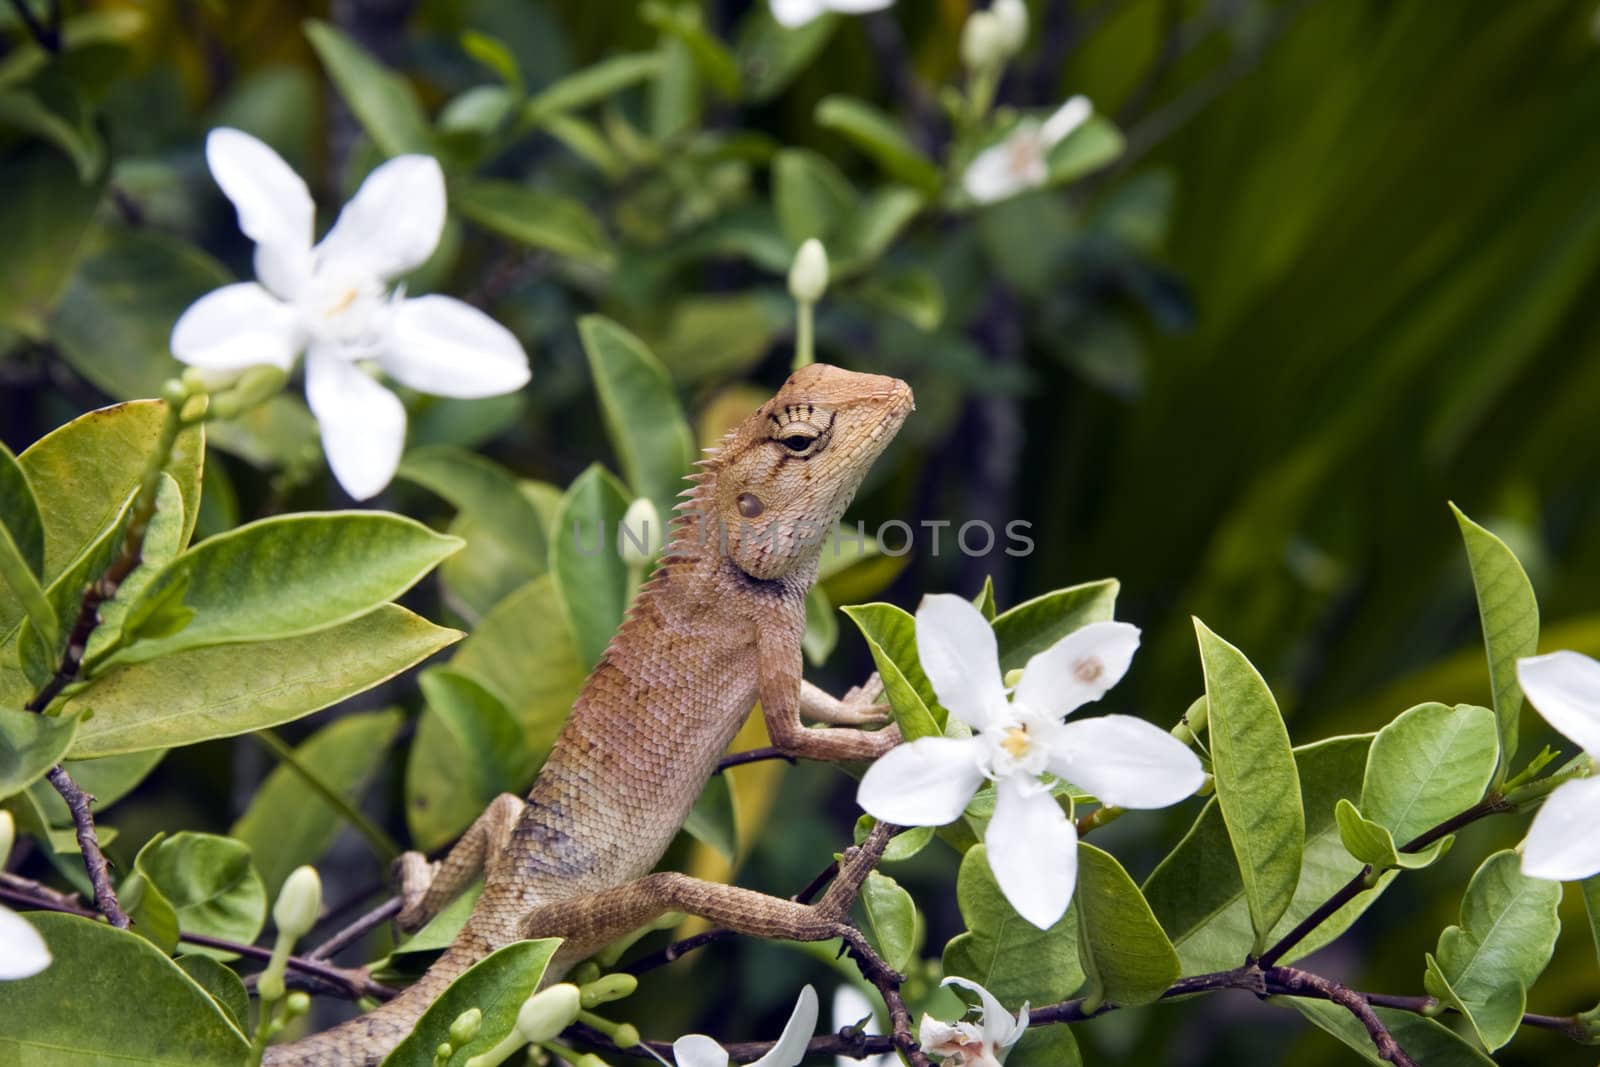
(425, 888)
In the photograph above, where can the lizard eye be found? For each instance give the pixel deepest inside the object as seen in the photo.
(797, 442)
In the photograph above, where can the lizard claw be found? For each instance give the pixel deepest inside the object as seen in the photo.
(864, 704)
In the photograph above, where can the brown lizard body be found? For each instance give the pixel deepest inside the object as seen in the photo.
(717, 627)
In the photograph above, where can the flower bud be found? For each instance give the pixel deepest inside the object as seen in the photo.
(1012, 18)
(604, 990)
(269, 986)
(548, 1012)
(258, 384)
(983, 41)
(299, 901)
(297, 1004)
(626, 1035)
(808, 277)
(8, 834)
(641, 534)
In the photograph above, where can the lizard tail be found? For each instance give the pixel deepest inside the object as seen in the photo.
(364, 1041)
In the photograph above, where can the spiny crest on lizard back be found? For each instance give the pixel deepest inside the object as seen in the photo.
(783, 477)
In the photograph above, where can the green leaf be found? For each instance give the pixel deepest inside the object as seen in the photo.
(19, 514)
(642, 415)
(984, 601)
(1124, 951)
(1427, 1041)
(1591, 906)
(1258, 788)
(45, 213)
(1088, 148)
(1005, 953)
(822, 628)
(591, 85)
(523, 652)
(714, 62)
(535, 217)
(1510, 615)
(1197, 892)
(381, 99)
(586, 563)
(210, 882)
(1508, 930)
(83, 473)
(468, 750)
(223, 986)
(101, 973)
(914, 295)
(811, 197)
(1046, 1046)
(1372, 844)
(714, 819)
(880, 137)
(891, 636)
(487, 570)
(1431, 763)
(771, 55)
(30, 745)
(1035, 625)
(891, 918)
(872, 228)
(17, 578)
(486, 492)
(284, 577)
(720, 334)
(288, 824)
(163, 540)
(108, 780)
(225, 690)
(52, 107)
(497, 985)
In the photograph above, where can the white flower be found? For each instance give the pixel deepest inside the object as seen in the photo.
(1032, 845)
(1562, 844)
(23, 952)
(333, 302)
(984, 1043)
(851, 1006)
(796, 13)
(698, 1050)
(1021, 161)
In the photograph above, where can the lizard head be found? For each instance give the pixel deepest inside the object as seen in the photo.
(785, 475)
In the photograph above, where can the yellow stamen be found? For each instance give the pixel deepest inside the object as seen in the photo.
(343, 305)
(1017, 742)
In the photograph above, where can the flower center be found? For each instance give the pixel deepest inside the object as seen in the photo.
(1017, 742)
(1025, 156)
(345, 312)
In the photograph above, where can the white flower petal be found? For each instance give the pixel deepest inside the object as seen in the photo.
(1033, 851)
(858, 7)
(958, 651)
(1000, 1029)
(927, 782)
(698, 1050)
(237, 326)
(991, 177)
(1125, 761)
(1079, 668)
(796, 13)
(1565, 688)
(439, 345)
(275, 207)
(363, 424)
(1562, 844)
(23, 952)
(392, 225)
(942, 1038)
(790, 1048)
(1064, 120)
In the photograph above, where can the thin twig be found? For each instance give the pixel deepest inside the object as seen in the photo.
(1304, 983)
(356, 930)
(754, 755)
(94, 861)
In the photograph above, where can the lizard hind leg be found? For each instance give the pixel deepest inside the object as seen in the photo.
(425, 888)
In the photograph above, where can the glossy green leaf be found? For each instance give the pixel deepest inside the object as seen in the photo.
(902, 846)
(224, 987)
(487, 570)
(224, 690)
(822, 628)
(1125, 953)
(45, 213)
(643, 418)
(1427, 1041)
(1258, 788)
(591, 85)
(880, 137)
(1046, 1046)
(163, 540)
(1035, 625)
(984, 601)
(19, 517)
(714, 819)
(1198, 895)
(468, 750)
(497, 986)
(1005, 953)
(586, 562)
(19, 581)
(108, 780)
(288, 824)
(209, 881)
(1510, 615)
(1087, 149)
(535, 217)
(524, 653)
(891, 637)
(30, 745)
(891, 918)
(1373, 844)
(811, 197)
(1431, 763)
(381, 99)
(99, 972)
(1507, 932)
(284, 577)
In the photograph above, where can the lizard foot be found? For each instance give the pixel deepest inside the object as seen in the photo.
(413, 874)
(864, 704)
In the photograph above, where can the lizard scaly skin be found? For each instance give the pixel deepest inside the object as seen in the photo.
(716, 628)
